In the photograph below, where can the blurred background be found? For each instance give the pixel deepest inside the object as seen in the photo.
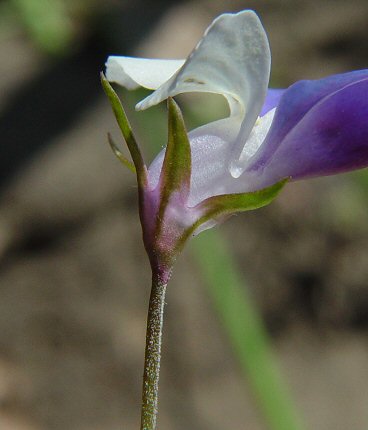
(74, 278)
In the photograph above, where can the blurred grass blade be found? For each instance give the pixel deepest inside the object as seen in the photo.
(47, 22)
(245, 330)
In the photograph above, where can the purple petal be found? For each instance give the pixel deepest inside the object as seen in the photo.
(272, 100)
(320, 128)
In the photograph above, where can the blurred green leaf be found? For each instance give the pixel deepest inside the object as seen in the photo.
(245, 330)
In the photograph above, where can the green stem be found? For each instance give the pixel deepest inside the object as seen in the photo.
(153, 352)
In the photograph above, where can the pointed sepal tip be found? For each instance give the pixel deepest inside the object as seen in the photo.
(126, 130)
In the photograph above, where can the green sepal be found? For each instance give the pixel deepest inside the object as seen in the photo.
(231, 203)
(126, 130)
(176, 168)
(218, 207)
(119, 155)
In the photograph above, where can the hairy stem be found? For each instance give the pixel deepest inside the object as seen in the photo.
(153, 352)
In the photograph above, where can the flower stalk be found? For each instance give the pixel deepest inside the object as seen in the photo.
(152, 358)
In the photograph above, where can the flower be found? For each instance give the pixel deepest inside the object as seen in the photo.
(313, 128)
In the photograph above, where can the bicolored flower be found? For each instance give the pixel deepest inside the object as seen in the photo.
(241, 162)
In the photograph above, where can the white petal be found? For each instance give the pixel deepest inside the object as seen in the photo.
(140, 72)
(232, 59)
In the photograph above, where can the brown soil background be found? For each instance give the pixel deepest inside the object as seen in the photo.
(74, 279)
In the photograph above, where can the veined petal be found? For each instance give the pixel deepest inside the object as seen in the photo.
(320, 128)
(132, 72)
(209, 150)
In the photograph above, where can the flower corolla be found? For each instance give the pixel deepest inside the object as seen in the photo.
(313, 128)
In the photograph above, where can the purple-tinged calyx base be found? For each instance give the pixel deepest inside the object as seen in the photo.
(168, 221)
(163, 208)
